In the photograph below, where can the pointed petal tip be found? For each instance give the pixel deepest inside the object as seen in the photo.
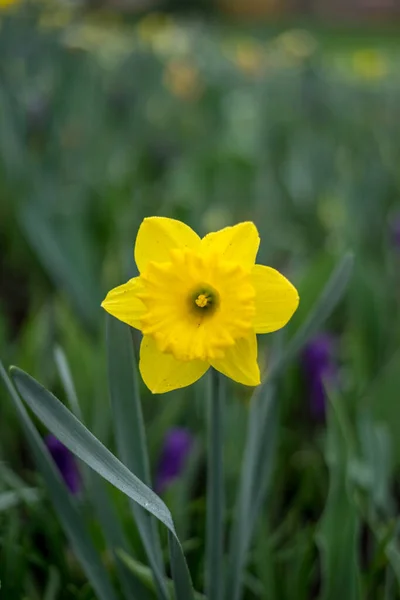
(105, 305)
(255, 381)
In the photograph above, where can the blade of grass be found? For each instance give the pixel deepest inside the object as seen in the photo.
(53, 585)
(257, 464)
(74, 435)
(64, 373)
(55, 252)
(215, 489)
(375, 506)
(267, 435)
(130, 435)
(262, 427)
(66, 510)
(179, 569)
(339, 528)
(145, 575)
(265, 562)
(110, 524)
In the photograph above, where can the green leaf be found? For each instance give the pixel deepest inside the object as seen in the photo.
(382, 399)
(215, 488)
(145, 575)
(57, 249)
(130, 434)
(377, 507)
(258, 461)
(74, 435)
(53, 585)
(67, 381)
(110, 524)
(63, 503)
(265, 561)
(339, 528)
(180, 574)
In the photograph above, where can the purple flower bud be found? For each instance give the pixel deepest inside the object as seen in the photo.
(319, 366)
(176, 448)
(65, 462)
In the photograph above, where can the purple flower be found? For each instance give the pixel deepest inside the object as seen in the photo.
(176, 448)
(65, 462)
(319, 366)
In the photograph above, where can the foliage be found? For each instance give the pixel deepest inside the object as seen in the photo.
(104, 122)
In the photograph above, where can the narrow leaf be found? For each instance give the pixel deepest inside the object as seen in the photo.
(110, 524)
(145, 575)
(56, 252)
(130, 435)
(215, 489)
(53, 585)
(258, 461)
(67, 381)
(74, 435)
(338, 532)
(66, 510)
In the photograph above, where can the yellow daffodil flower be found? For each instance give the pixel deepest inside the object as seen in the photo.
(7, 3)
(200, 302)
(370, 64)
(182, 79)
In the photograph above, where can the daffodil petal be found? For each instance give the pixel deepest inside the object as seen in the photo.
(162, 372)
(237, 244)
(122, 302)
(240, 361)
(276, 299)
(157, 236)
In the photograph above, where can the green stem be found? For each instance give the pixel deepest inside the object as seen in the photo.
(215, 490)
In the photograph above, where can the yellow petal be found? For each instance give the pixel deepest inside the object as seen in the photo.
(157, 236)
(162, 372)
(276, 299)
(238, 243)
(240, 361)
(122, 302)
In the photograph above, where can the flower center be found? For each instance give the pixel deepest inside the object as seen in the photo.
(204, 300)
(197, 306)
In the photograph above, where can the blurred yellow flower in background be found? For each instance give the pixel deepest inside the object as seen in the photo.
(181, 78)
(153, 25)
(163, 35)
(370, 64)
(200, 302)
(249, 56)
(4, 4)
(297, 43)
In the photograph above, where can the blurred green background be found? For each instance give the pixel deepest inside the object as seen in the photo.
(285, 115)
